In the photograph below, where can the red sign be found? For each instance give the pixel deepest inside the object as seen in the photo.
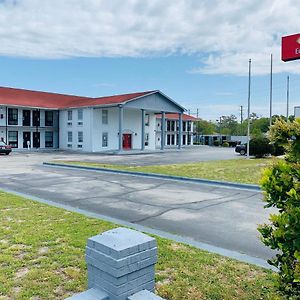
(290, 47)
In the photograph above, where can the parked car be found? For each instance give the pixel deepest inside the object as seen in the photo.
(241, 149)
(6, 149)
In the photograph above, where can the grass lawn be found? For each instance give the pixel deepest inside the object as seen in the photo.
(42, 257)
(235, 170)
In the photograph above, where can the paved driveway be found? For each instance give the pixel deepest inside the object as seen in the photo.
(218, 216)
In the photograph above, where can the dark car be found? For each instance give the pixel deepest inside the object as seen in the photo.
(241, 149)
(5, 149)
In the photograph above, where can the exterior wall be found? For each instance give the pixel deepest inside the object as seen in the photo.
(297, 111)
(75, 126)
(93, 129)
(4, 130)
(132, 124)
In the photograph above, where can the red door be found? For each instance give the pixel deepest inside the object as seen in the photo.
(127, 141)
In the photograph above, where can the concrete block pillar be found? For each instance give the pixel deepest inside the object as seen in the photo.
(121, 262)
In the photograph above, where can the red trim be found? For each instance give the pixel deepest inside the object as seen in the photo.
(28, 98)
(185, 117)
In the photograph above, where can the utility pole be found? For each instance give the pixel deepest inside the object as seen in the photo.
(287, 97)
(249, 94)
(197, 113)
(271, 89)
(241, 119)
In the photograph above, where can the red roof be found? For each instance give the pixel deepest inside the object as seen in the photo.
(27, 98)
(176, 117)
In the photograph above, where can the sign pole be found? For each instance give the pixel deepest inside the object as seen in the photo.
(287, 97)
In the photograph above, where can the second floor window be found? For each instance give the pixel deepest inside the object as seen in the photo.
(69, 115)
(12, 116)
(80, 114)
(48, 118)
(104, 116)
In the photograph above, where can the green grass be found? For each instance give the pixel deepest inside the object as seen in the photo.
(42, 257)
(235, 170)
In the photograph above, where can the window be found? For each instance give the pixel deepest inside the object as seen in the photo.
(168, 125)
(12, 116)
(172, 125)
(189, 126)
(168, 139)
(147, 139)
(104, 139)
(70, 137)
(49, 139)
(147, 119)
(48, 118)
(80, 117)
(13, 139)
(69, 115)
(183, 126)
(80, 137)
(104, 116)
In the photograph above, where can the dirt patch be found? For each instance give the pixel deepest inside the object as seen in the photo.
(21, 273)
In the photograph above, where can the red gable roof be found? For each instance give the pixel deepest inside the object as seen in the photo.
(27, 98)
(176, 117)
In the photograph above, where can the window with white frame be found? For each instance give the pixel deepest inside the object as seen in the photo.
(104, 116)
(49, 139)
(70, 116)
(80, 137)
(80, 117)
(70, 137)
(147, 119)
(104, 139)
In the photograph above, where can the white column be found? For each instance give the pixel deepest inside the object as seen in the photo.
(143, 131)
(180, 131)
(163, 130)
(121, 112)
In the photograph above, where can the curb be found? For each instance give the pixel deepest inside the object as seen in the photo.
(227, 184)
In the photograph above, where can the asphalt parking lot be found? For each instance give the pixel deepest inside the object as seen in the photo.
(223, 217)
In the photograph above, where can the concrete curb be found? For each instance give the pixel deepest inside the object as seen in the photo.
(227, 184)
(177, 238)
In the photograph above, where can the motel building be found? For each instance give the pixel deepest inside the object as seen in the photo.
(137, 121)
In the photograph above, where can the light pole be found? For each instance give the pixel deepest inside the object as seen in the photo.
(249, 94)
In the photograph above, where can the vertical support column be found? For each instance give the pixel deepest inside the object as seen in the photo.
(143, 131)
(180, 131)
(163, 130)
(121, 112)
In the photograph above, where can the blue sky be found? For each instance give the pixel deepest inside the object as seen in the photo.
(196, 55)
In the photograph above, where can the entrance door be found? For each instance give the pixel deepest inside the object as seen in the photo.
(26, 138)
(127, 144)
(36, 118)
(36, 140)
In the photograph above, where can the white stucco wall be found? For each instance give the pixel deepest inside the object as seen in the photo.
(297, 111)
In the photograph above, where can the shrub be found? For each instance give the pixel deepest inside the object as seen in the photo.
(225, 144)
(260, 146)
(216, 143)
(281, 185)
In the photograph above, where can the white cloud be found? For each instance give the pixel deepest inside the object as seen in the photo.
(224, 34)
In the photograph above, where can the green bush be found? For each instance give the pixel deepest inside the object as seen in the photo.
(281, 185)
(260, 146)
(225, 144)
(216, 143)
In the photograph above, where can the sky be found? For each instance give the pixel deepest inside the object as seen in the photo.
(195, 51)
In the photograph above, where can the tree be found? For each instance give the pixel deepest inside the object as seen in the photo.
(229, 125)
(281, 184)
(203, 127)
